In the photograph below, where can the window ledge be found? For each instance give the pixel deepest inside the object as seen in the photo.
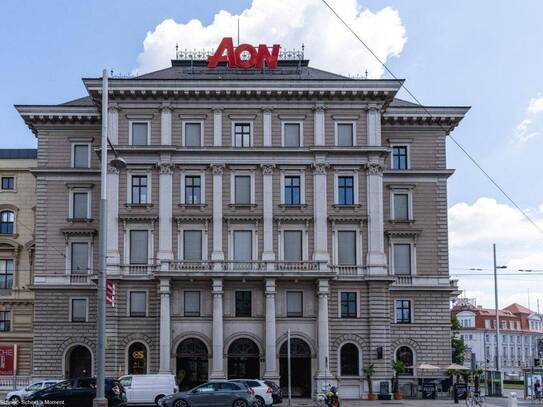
(292, 206)
(80, 220)
(338, 206)
(10, 235)
(8, 190)
(242, 206)
(192, 206)
(403, 222)
(132, 205)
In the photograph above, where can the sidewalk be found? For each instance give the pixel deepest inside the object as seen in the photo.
(404, 403)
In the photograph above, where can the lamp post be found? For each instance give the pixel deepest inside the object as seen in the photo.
(497, 317)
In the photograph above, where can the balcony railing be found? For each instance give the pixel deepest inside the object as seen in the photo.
(425, 281)
(256, 266)
(348, 270)
(63, 279)
(138, 269)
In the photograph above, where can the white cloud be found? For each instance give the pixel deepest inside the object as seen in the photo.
(531, 125)
(328, 44)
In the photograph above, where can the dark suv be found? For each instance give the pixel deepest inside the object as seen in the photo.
(79, 393)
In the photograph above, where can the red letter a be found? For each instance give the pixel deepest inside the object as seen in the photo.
(225, 45)
(264, 55)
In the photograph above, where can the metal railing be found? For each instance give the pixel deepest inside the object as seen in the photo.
(6, 382)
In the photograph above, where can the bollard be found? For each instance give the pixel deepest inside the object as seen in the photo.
(513, 399)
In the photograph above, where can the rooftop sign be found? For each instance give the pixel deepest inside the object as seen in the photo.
(244, 55)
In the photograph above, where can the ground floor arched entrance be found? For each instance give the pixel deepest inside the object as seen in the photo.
(300, 368)
(192, 363)
(243, 359)
(78, 362)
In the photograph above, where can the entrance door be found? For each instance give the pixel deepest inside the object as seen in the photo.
(78, 362)
(300, 368)
(192, 363)
(243, 360)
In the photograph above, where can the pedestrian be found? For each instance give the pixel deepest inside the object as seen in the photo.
(537, 390)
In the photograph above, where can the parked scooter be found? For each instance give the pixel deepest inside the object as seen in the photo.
(329, 397)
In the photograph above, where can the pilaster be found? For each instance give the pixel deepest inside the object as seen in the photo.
(320, 212)
(113, 255)
(217, 126)
(113, 124)
(165, 328)
(217, 254)
(166, 125)
(165, 250)
(319, 134)
(374, 125)
(323, 364)
(217, 364)
(267, 126)
(271, 372)
(267, 174)
(376, 260)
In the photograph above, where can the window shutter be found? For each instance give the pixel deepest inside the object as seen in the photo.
(401, 209)
(139, 247)
(402, 259)
(193, 134)
(137, 302)
(243, 189)
(292, 245)
(345, 135)
(346, 247)
(192, 245)
(292, 134)
(80, 258)
(79, 205)
(81, 156)
(243, 245)
(139, 134)
(192, 303)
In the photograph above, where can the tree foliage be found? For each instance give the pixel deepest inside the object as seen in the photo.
(457, 342)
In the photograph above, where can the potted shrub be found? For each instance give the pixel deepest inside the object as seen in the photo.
(369, 372)
(399, 367)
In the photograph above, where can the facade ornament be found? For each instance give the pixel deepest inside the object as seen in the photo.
(217, 169)
(320, 168)
(319, 107)
(166, 107)
(267, 109)
(166, 168)
(216, 109)
(375, 169)
(112, 170)
(374, 107)
(267, 169)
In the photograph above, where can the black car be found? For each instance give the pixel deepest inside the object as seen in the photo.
(79, 393)
(277, 395)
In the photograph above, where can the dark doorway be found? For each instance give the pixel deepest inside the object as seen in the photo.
(137, 358)
(300, 368)
(78, 362)
(192, 363)
(243, 360)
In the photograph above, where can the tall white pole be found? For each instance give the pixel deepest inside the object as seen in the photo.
(497, 318)
(289, 372)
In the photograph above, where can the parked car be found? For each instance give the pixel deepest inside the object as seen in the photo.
(148, 388)
(277, 395)
(217, 394)
(78, 393)
(16, 396)
(263, 392)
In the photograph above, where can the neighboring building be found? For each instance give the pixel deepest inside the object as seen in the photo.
(254, 201)
(520, 331)
(17, 205)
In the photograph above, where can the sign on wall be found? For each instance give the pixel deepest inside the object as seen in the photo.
(7, 359)
(244, 55)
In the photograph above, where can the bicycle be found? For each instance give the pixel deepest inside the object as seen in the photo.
(475, 399)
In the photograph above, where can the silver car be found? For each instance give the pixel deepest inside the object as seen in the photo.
(217, 394)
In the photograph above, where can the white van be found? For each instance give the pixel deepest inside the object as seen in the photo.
(148, 388)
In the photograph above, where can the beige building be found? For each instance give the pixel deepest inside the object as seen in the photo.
(17, 215)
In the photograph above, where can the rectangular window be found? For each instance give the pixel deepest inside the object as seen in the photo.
(193, 134)
(81, 156)
(242, 193)
(192, 304)
(487, 324)
(8, 183)
(345, 190)
(399, 157)
(139, 246)
(292, 244)
(243, 303)
(348, 305)
(79, 310)
(80, 258)
(192, 245)
(402, 258)
(403, 311)
(6, 273)
(5, 321)
(140, 132)
(138, 303)
(243, 245)
(345, 134)
(242, 135)
(139, 189)
(292, 190)
(401, 206)
(80, 205)
(292, 134)
(193, 190)
(346, 247)
(294, 303)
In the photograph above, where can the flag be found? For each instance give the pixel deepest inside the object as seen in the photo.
(110, 293)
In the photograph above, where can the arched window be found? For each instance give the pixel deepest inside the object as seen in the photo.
(7, 221)
(137, 358)
(405, 354)
(349, 360)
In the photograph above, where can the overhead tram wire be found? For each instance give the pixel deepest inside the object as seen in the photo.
(402, 85)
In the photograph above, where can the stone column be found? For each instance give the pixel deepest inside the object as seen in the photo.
(323, 366)
(217, 365)
(374, 126)
(271, 372)
(217, 254)
(320, 213)
(267, 174)
(217, 127)
(376, 260)
(113, 255)
(166, 125)
(267, 126)
(165, 330)
(319, 125)
(165, 251)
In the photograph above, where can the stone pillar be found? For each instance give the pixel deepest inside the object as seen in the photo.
(267, 126)
(166, 125)
(217, 365)
(374, 126)
(271, 371)
(217, 254)
(113, 255)
(113, 124)
(165, 251)
(320, 213)
(165, 330)
(217, 127)
(267, 174)
(376, 260)
(319, 133)
(323, 333)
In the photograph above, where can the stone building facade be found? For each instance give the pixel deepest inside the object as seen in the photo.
(254, 202)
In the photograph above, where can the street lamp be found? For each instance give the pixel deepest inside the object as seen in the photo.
(497, 317)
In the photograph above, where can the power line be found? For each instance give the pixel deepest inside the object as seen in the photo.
(402, 84)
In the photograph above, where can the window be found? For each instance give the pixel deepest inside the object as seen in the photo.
(348, 305)
(346, 247)
(405, 355)
(80, 205)
(242, 193)
(139, 189)
(292, 134)
(243, 245)
(243, 303)
(81, 155)
(137, 359)
(79, 310)
(6, 273)
(8, 183)
(292, 244)
(345, 190)
(242, 135)
(487, 324)
(403, 311)
(80, 258)
(294, 303)
(399, 157)
(5, 321)
(193, 134)
(193, 190)
(345, 132)
(192, 304)
(401, 206)
(7, 221)
(402, 258)
(292, 190)
(139, 246)
(192, 245)
(349, 360)
(140, 133)
(138, 303)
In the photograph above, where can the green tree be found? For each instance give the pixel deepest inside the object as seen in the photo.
(457, 342)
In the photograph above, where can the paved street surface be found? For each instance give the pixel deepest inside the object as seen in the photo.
(491, 402)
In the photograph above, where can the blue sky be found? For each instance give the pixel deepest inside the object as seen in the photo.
(485, 54)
